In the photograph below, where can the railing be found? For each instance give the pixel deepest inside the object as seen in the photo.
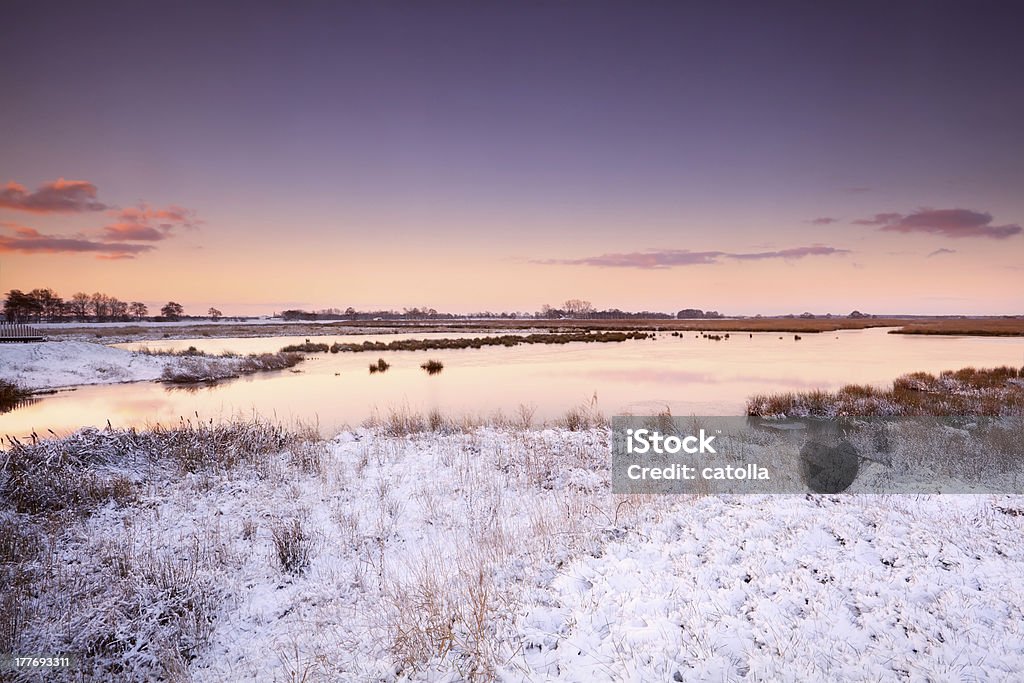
(19, 333)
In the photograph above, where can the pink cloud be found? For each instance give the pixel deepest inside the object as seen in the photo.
(59, 196)
(146, 224)
(30, 241)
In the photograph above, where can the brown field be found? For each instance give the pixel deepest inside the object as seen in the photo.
(988, 327)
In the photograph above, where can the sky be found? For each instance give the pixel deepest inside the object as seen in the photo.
(744, 157)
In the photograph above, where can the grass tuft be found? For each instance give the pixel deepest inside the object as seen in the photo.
(12, 395)
(433, 366)
(293, 544)
(380, 366)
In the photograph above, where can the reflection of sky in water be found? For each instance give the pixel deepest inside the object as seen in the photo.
(687, 376)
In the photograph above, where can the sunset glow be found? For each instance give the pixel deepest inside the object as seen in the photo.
(485, 157)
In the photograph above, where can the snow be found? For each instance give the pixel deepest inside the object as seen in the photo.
(52, 365)
(504, 554)
(49, 365)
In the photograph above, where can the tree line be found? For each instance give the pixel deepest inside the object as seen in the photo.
(573, 308)
(45, 305)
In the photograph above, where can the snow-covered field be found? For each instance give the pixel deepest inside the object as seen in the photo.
(502, 554)
(52, 365)
(49, 365)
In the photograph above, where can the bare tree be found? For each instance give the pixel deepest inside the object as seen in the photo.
(100, 304)
(79, 305)
(577, 308)
(118, 309)
(138, 310)
(214, 313)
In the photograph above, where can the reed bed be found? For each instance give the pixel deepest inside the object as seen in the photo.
(507, 340)
(12, 395)
(193, 369)
(433, 367)
(965, 392)
(306, 347)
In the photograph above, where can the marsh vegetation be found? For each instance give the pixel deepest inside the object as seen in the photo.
(965, 392)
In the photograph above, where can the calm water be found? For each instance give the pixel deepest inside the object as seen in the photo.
(687, 376)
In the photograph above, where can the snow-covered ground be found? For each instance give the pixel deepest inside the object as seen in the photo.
(499, 554)
(49, 365)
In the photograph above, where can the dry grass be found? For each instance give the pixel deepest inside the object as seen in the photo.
(965, 392)
(433, 366)
(306, 347)
(508, 340)
(87, 469)
(186, 353)
(293, 545)
(12, 395)
(199, 368)
(443, 613)
(987, 327)
(380, 366)
(128, 609)
(583, 417)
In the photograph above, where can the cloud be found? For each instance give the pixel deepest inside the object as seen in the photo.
(671, 258)
(860, 189)
(795, 253)
(30, 241)
(879, 219)
(940, 252)
(955, 223)
(59, 196)
(824, 220)
(125, 232)
(141, 223)
(145, 224)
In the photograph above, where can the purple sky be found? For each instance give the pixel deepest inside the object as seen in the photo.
(640, 155)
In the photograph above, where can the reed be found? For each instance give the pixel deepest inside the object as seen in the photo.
(966, 392)
(11, 395)
(433, 366)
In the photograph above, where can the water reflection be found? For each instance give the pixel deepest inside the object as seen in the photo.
(8, 406)
(686, 375)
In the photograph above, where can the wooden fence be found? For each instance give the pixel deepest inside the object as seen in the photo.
(19, 333)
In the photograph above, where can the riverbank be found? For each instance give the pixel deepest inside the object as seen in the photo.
(53, 365)
(245, 551)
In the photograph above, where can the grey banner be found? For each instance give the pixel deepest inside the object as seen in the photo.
(708, 455)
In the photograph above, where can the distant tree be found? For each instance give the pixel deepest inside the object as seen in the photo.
(214, 313)
(297, 314)
(172, 310)
(50, 306)
(20, 307)
(118, 309)
(577, 308)
(79, 305)
(99, 303)
(547, 311)
(138, 310)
